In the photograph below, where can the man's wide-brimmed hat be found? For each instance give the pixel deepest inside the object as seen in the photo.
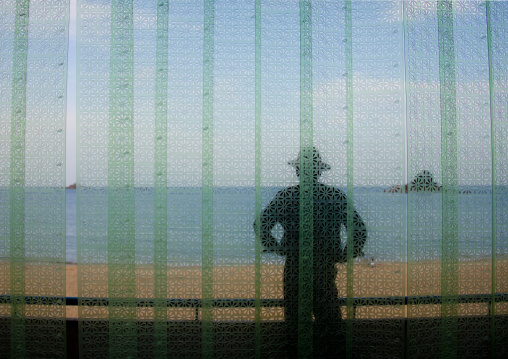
(316, 160)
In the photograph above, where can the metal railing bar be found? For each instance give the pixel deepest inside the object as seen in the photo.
(249, 302)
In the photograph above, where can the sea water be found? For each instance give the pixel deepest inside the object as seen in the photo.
(399, 226)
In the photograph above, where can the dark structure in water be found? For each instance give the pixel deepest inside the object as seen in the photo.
(423, 182)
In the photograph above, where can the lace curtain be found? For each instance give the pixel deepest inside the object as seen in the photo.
(33, 79)
(255, 179)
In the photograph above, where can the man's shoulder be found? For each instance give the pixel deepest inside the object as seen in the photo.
(330, 192)
(320, 190)
(289, 192)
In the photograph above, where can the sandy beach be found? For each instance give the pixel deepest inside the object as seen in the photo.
(384, 279)
(387, 279)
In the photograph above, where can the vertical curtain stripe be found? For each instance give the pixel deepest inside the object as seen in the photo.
(207, 180)
(449, 261)
(121, 226)
(179, 153)
(424, 202)
(493, 338)
(33, 70)
(497, 38)
(17, 180)
(257, 180)
(306, 267)
(93, 36)
(160, 250)
(350, 176)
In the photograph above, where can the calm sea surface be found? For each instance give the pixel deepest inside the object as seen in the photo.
(400, 226)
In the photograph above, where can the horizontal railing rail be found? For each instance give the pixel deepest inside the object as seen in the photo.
(265, 303)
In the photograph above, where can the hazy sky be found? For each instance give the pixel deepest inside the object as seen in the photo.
(70, 175)
(385, 84)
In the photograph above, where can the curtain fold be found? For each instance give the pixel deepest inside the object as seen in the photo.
(256, 178)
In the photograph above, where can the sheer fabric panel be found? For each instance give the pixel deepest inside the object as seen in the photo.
(257, 178)
(33, 79)
(400, 109)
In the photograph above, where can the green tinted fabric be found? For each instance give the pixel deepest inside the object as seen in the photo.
(465, 127)
(498, 95)
(449, 165)
(257, 178)
(160, 248)
(33, 47)
(349, 106)
(207, 181)
(120, 185)
(306, 214)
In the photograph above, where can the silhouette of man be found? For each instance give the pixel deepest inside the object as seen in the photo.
(329, 214)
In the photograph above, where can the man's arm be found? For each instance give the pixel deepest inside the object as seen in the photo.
(268, 220)
(359, 236)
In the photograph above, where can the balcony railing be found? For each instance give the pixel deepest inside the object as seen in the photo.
(488, 299)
